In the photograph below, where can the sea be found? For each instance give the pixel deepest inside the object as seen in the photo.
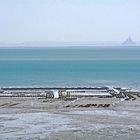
(70, 67)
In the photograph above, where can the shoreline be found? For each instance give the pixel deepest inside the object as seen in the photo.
(69, 92)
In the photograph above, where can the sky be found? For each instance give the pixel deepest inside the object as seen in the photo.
(69, 20)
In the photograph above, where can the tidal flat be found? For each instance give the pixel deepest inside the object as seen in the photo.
(35, 118)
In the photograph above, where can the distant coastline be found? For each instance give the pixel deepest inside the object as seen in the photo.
(72, 44)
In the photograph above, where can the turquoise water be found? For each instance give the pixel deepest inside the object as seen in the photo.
(69, 67)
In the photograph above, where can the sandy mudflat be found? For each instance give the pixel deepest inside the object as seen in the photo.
(31, 118)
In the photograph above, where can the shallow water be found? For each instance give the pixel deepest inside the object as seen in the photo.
(69, 67)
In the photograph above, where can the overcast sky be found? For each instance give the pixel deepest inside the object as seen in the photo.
(69, 20)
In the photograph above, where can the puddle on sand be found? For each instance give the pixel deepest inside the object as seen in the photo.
(30, 125)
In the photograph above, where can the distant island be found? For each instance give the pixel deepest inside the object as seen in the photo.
(129, 42)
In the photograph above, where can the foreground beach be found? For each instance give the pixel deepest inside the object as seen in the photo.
(41, 119)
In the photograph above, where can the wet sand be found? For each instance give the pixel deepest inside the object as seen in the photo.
(40, 119)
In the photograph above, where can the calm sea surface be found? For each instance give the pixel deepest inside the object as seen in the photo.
(69, 67)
